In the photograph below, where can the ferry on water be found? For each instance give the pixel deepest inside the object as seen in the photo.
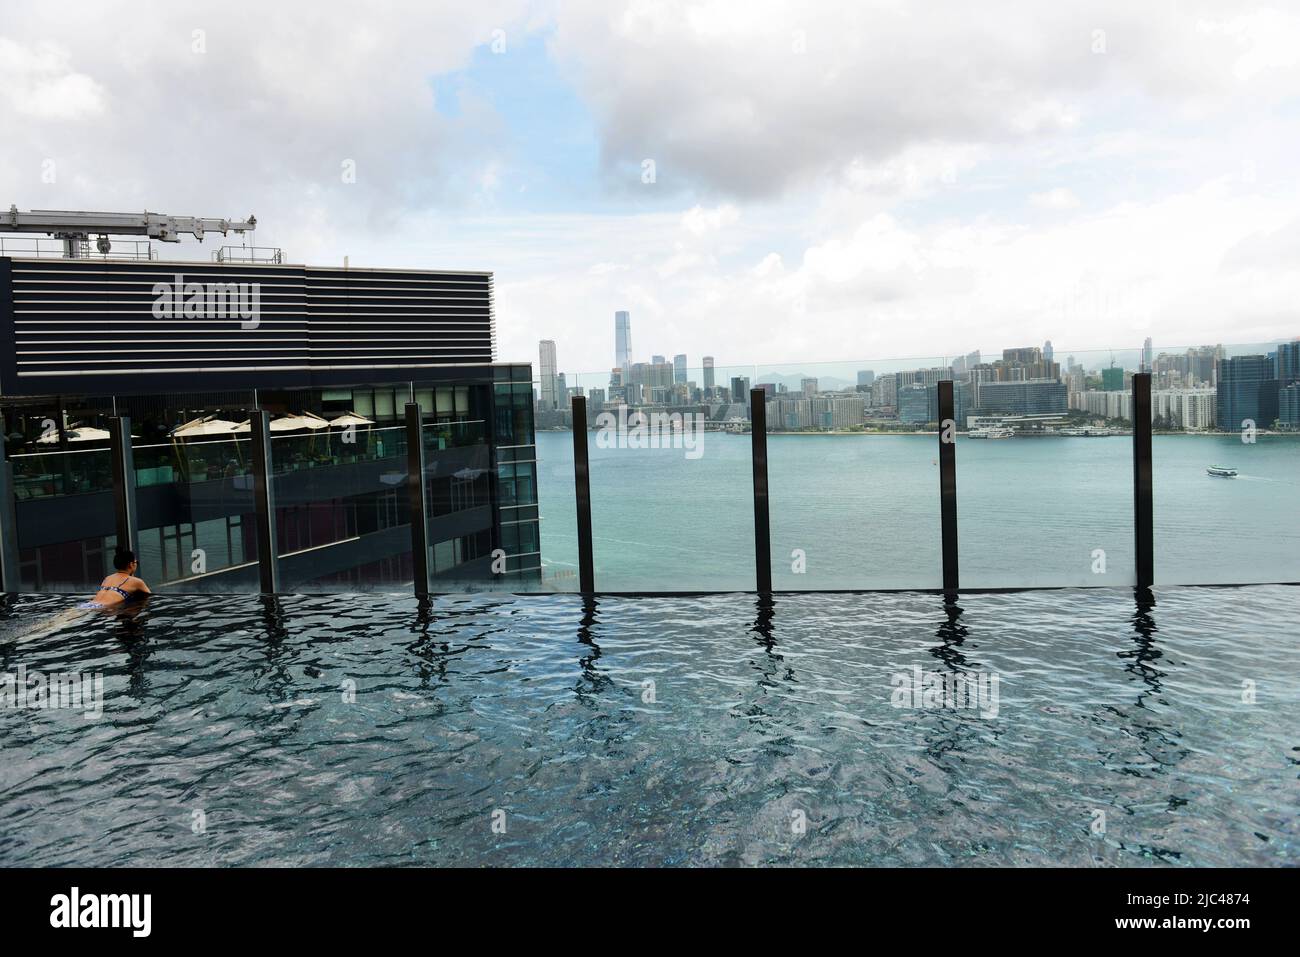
(1222, 471)
(1087, 430)
(990, 433)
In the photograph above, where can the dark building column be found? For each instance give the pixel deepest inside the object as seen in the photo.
(268, 546)
(10, 576)
(1143, 509)
(123, 465)
(762, 528)
(418, 498)
(948, 484)
(582, 494)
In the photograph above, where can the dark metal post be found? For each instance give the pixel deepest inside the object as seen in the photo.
(762, 527)
(948, 484)
(268, 547)
(122, 461)
(10, 576)
(418, 498)
(1143, 510)
(582, 492)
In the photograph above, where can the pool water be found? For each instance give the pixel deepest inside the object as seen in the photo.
(714, 730)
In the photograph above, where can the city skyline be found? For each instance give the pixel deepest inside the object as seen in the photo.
(1142, 356)
(1194, 389)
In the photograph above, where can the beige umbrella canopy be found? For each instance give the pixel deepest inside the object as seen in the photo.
(349, 418)
(83, 434)
(210, 425)
(290, 423)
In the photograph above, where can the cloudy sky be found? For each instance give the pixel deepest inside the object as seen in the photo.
(759, 181)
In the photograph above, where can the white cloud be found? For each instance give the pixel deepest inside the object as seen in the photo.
(698, 220)
(719, 95)
(39, 84)
(833, 180)
(1058, 198)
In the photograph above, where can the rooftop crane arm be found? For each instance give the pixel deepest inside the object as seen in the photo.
(79, 225)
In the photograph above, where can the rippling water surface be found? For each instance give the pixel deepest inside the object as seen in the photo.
(702, 731)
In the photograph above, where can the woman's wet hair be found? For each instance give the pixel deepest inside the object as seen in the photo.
(122, 559)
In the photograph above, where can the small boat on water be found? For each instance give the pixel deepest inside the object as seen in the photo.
(1222, 471)
(991, 433)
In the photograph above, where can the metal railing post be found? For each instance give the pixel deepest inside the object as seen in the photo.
(1143, 509)
(268, 548)
(418, 498)
(582, 494)
(10, 573)
(122, 461)
(762, 527)
(948, 484)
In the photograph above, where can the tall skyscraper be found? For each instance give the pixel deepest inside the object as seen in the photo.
(1288, 363)
(740, 389)
(1248, 389)
(1146, 355)
(622, 340)
(657, 360)
(708, 372)
(679, 368)
(550, 398)
(866, 377)
(1047, 352)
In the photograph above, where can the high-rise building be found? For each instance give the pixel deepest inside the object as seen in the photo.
(808, 387)
(622, 340)
(708, 373)
(1288, 407)
(1028, 397)
(884, 392)
(657, 360)
(679, 368)
(1112, 379)
(919, 404)
(1248, 390)
(550, 395)
(866, 377)
(1047, 352)
(1146, 355)
(1288, 363)
(740, 389)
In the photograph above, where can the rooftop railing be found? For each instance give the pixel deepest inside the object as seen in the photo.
(35, 247)
(1120, 490)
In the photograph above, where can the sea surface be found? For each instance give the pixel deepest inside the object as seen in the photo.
(862, 511)
(711, 730)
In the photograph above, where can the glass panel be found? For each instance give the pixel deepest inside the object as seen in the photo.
(557, 503)
(670, 487)
(342, 513)
(853, 490)
(459, 483)
(62, 490)
(1225, 494)
(1044, 491)
(197, 521)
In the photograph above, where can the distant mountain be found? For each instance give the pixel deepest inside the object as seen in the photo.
(793, 381)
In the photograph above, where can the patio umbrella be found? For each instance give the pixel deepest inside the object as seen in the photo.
(349, 418)
(291, 423)
(208, 426)
(83, 434)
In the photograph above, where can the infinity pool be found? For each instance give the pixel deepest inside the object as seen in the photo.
(718, 730)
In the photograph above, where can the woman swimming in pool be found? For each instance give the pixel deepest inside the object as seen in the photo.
(121, 588)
